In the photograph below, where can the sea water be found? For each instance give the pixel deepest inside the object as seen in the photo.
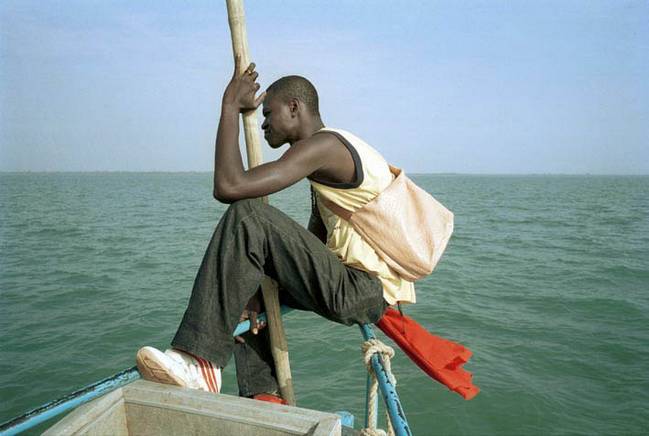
(545, 279)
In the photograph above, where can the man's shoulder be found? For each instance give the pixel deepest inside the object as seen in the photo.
(350, 139)
(316, 146)
(329, 139)
(321, 139)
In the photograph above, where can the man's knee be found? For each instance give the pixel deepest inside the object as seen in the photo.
(241, 208)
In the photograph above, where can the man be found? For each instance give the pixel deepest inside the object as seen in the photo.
(344, 280)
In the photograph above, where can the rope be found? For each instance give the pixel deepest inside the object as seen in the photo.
(370, 348)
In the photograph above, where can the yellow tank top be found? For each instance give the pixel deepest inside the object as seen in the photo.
(374, 175)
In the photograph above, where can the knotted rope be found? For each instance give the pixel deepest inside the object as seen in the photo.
(370, 348)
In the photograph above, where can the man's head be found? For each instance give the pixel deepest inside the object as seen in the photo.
(291, 104)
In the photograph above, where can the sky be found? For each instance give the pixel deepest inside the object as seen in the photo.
(504, 87)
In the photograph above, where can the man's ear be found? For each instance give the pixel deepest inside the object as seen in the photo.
(293, 106)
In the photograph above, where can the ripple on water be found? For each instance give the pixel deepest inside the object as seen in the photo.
(544, 279)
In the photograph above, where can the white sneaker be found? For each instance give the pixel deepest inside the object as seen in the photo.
(176, 367)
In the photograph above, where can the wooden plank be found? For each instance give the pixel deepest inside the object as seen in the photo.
(237, 21)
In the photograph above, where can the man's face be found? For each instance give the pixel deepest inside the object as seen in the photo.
(277, 121)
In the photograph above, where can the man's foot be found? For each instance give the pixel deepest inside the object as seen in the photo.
(176, 367)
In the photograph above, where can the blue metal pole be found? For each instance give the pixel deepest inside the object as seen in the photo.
(56, 407)
(83, 395)
(244, 326)
(390, 396)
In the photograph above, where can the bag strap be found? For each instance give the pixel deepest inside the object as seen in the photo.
(344, 213)
(340, 211)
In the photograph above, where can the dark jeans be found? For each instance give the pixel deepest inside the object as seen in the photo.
(252, 240)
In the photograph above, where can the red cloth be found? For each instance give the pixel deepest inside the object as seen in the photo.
(438, 357)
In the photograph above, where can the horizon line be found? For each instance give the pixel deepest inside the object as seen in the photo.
(413, 173)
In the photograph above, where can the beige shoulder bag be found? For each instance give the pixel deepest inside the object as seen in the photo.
(404, 224)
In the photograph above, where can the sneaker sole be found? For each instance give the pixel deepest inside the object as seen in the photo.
(150, 362)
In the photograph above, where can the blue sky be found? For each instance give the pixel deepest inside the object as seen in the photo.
(469, 87)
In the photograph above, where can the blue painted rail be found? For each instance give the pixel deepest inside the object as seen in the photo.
(63, 404)
(54, 408)
(388, 390)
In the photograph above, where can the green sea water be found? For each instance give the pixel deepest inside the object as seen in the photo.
(546, 280)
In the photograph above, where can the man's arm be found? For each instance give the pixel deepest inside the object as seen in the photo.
(316, 225)
(231, 181)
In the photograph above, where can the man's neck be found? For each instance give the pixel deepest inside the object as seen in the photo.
(307, 129)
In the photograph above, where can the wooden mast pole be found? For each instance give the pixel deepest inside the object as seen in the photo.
(279, 346)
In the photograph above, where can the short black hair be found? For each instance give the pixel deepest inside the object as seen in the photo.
(296, 87)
